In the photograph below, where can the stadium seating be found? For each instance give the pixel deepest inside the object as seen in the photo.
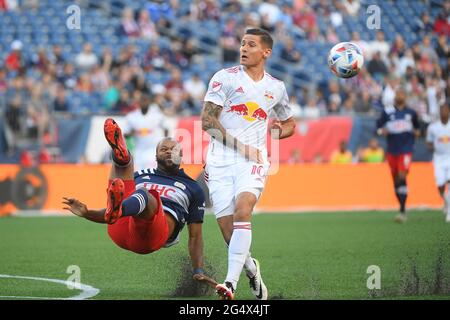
(100, 22)
(42, 28)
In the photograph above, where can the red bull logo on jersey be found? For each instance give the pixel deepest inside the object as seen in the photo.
(250, 111)
(444, 139)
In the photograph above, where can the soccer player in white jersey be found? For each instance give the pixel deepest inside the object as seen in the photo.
(236, 114)
(438, 141)
(147, 125)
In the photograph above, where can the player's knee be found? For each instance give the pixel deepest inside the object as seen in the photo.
(152, 203)
(244, 207)
(242, 213)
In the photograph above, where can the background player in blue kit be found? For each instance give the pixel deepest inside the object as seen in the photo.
(400, 125)
(147, 210)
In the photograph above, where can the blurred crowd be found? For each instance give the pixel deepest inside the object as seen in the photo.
(33, 90)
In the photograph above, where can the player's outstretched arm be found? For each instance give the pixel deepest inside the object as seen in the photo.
(79, 209)
(211, 124)
(283, 129)
(195, 245)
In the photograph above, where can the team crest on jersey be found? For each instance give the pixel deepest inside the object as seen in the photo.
(216, 86)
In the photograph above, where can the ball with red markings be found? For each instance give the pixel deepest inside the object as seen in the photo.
(345, 59)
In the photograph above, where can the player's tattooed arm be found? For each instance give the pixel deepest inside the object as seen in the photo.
(79, 209)
(283, 129)
(210, 117)
(211, 124)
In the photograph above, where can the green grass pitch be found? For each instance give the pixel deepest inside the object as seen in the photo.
(303, 256)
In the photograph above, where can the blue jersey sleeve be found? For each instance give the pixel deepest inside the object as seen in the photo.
(381, 121)
(197, 207)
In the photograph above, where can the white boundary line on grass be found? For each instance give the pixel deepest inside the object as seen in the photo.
(86, 290)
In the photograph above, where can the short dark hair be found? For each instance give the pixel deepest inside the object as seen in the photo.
(164, 140)
(265, 36)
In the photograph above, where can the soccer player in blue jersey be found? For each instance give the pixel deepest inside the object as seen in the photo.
(147, 210)
(400, 126)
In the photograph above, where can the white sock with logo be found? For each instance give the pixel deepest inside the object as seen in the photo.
(238, 250)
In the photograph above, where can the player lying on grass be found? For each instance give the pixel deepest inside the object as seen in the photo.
(147, 210)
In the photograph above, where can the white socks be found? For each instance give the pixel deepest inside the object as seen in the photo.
(249, 266)
(238, 251)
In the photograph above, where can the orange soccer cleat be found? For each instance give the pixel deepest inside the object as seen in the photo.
(225, 291)
(114, 203)
(113, 135)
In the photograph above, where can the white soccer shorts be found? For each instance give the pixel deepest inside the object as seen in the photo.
(441, 172)
(227, 182)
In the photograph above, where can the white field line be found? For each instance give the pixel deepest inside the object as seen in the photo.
(87, 291)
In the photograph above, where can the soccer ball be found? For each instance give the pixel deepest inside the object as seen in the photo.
(345, 59)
